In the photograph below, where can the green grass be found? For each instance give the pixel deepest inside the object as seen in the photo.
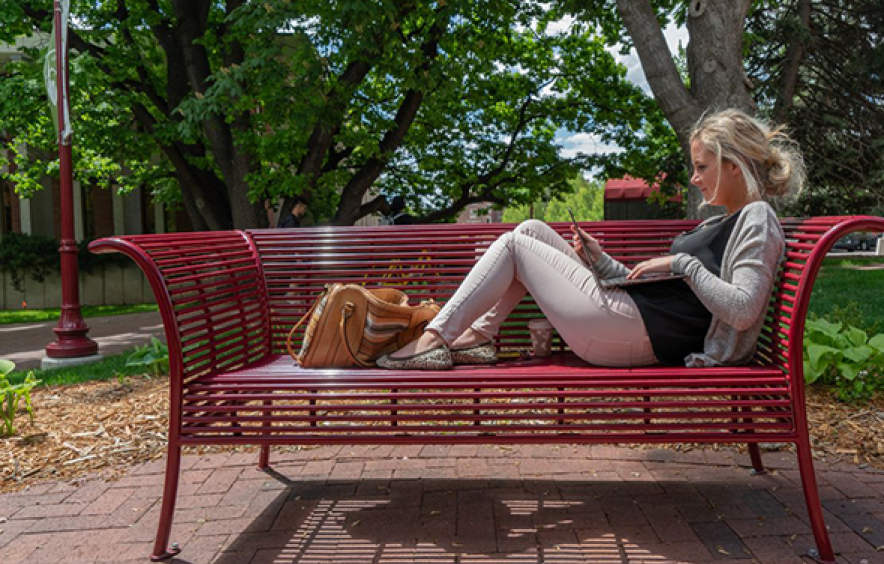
(34, 315)
(837, 286)
(110, 367)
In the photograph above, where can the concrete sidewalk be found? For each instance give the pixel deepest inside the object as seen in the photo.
(461, 504)
(24, 343)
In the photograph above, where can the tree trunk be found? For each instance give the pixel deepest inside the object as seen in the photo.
(715, 65)
(350, 207)
(794, 56)
(201, 191)
(234, 163)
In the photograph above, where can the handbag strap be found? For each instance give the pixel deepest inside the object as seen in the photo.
(288, 341)
(346, 313)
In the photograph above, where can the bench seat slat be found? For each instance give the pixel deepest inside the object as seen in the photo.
(193, 421)
(470, 429)
(283, 365)
(605, 393)
(734, 403)
(634, 437)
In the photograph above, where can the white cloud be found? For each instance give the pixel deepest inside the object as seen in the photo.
(559, 26)
(586, 143)
(673, 34)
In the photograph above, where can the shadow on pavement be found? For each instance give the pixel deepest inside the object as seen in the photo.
(520, 521)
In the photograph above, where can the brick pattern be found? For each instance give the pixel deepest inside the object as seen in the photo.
(459, 504)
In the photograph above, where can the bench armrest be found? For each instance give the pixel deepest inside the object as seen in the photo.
(808, 242)
(211, 295)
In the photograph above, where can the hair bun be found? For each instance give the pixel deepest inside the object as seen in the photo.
(784, 167)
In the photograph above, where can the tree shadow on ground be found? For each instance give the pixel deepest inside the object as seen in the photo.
(517, 521)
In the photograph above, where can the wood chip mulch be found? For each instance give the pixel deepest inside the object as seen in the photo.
(105, 427)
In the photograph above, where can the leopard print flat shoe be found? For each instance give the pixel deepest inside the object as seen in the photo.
(477, 354)
(438, 358)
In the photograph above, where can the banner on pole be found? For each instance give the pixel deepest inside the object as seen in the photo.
(50, 71)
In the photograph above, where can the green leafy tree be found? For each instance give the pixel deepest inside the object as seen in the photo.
(586, 199)
(814, 65)
(108, 152)
(819, 66)
(228, 104)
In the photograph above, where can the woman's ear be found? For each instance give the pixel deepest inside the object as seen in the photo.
(734, 170)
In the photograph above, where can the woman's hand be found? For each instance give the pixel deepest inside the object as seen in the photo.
(594, 248)
(656, 265)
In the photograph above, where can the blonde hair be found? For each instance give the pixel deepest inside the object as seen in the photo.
(769, 159)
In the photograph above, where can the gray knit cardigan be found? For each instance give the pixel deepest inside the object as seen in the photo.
(738, 299)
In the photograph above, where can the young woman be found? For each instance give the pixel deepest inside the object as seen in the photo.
(712, 317)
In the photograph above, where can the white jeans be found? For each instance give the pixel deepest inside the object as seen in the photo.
(534, 258)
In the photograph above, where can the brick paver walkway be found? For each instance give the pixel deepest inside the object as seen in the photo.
(462, 504)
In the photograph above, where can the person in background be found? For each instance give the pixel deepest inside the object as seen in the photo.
(398, 215)
(294, 219)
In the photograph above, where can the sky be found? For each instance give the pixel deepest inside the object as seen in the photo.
(574, 142)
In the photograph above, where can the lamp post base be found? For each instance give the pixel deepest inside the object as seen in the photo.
(49, 363)
(71, 340)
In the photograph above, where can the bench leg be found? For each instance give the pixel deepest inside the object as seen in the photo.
(161, 549)
(264, 458)
(755, 455)
(823, 551)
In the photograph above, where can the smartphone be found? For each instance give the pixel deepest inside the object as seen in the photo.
(582, 240)
(589, 263)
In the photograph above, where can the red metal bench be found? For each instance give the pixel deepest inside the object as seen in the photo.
(228, 300)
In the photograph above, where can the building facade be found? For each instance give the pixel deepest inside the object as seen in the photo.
(482, 212)
(626, 198)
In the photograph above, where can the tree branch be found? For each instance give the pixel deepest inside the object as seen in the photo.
(676, 102)
(369, 172)
(508, 152)
(457, 206)
(794, 56)
(376, 205)
(324, 133)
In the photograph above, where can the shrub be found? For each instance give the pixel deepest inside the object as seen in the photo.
(153, 357)
(844, 357)
(22, 255)
(10, 396)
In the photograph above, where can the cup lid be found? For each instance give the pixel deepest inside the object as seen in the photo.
(540, 323)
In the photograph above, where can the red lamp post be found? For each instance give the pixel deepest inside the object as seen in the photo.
(71, 330)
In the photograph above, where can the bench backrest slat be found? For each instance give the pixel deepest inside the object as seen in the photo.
(431, 261)
(228, 290)
(427, 262)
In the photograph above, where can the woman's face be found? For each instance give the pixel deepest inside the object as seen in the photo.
(721, 186)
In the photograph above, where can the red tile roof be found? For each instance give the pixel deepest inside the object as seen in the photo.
(628, 188)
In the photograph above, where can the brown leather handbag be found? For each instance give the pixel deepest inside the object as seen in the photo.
(350, 325)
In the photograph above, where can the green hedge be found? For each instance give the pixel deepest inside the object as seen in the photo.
(37, 256)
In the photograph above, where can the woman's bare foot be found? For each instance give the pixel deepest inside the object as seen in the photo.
(428, 340)
(469, 338)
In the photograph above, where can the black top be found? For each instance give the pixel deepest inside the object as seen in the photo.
(676, 319)
(290, 221)
(399, 218)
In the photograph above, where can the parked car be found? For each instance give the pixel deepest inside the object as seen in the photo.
(858, 241)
